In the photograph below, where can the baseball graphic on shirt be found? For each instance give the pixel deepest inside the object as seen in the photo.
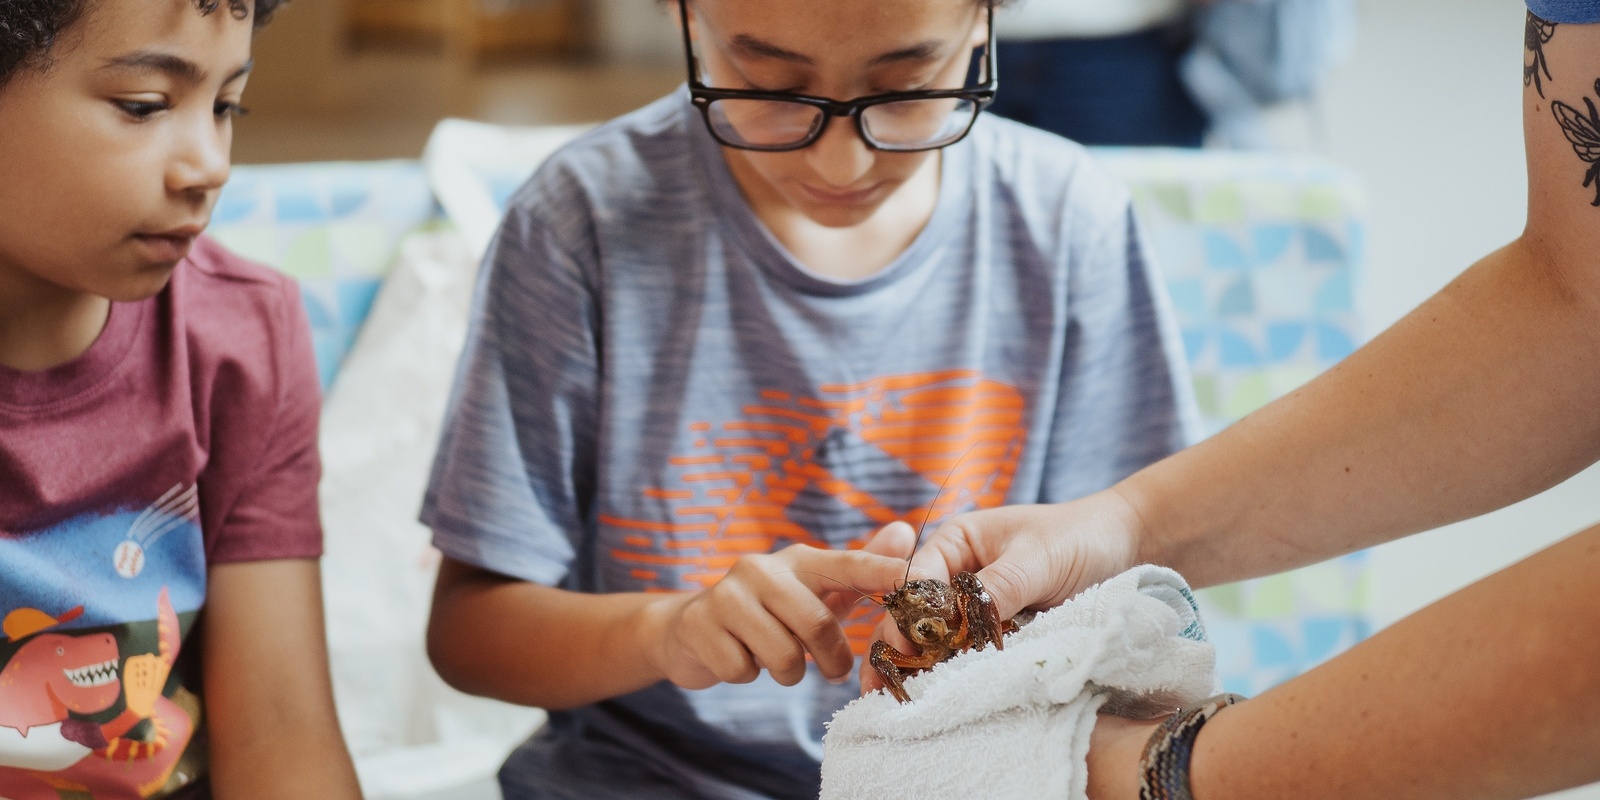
(171, 511)
(128, 559)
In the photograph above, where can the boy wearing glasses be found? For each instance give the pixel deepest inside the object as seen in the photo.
(724, 339)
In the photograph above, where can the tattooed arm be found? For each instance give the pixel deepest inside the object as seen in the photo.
(1483, 396)
(1562, 124)
(1486, 394)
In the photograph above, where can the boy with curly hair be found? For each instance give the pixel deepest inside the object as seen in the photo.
(158, 410)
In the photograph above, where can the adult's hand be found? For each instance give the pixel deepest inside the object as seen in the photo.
(1035, 556)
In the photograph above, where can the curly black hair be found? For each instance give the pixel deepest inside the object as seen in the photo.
(29, 28)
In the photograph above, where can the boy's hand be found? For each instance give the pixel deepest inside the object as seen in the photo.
(769, 611)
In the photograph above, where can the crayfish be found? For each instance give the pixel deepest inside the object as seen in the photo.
(941, 619)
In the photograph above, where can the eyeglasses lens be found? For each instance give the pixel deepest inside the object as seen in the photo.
(916, 124)
(763, 123)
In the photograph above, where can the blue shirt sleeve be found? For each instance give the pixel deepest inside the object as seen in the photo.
(1570, 11)
(515, 470)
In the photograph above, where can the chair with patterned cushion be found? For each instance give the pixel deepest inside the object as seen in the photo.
(1261, 254)
(334, 227)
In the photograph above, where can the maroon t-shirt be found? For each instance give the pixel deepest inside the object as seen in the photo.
(185, 436)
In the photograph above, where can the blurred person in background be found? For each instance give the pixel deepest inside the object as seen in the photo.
(1174, 73)
(1099, 72)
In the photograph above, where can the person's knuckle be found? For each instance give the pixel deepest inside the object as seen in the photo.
(719, 665)
(961, 529)
(742, 672)
(1008, 576)
(788, 668)
(762, 570)
(717, 598)
(693, 677)
(702, 613)
(816, 623)
(731, 599)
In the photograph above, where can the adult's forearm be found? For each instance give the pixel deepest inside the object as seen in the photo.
(1493, 692)
(1481, 397)
(535, 645)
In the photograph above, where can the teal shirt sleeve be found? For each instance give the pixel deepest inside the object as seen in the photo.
(1570, 11)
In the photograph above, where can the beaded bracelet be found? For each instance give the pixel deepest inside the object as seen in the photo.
(1164, 770)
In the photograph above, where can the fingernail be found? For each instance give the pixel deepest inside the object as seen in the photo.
(836, 680)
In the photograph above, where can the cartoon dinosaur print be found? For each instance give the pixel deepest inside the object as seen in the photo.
(105, 763)
(51, 676)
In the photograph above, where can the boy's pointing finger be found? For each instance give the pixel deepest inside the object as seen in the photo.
(858, 570)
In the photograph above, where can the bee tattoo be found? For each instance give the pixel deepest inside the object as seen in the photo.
(1583, 131)
(1538, 34)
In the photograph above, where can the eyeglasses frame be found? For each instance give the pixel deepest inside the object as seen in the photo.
(703, 96)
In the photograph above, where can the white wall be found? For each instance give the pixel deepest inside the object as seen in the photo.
(1429, 113)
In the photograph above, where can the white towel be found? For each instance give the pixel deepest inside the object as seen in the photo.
(1016, 723)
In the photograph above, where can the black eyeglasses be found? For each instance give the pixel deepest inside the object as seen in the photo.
(902, 122)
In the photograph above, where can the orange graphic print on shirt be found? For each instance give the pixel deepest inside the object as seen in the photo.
(825, 470)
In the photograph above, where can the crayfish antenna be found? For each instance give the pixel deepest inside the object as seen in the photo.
(878, 601)
(932, 504)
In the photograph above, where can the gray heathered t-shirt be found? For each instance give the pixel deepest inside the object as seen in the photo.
(653, 388)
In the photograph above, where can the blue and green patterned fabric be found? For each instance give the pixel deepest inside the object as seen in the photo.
(1261, 254)
(334, 227)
